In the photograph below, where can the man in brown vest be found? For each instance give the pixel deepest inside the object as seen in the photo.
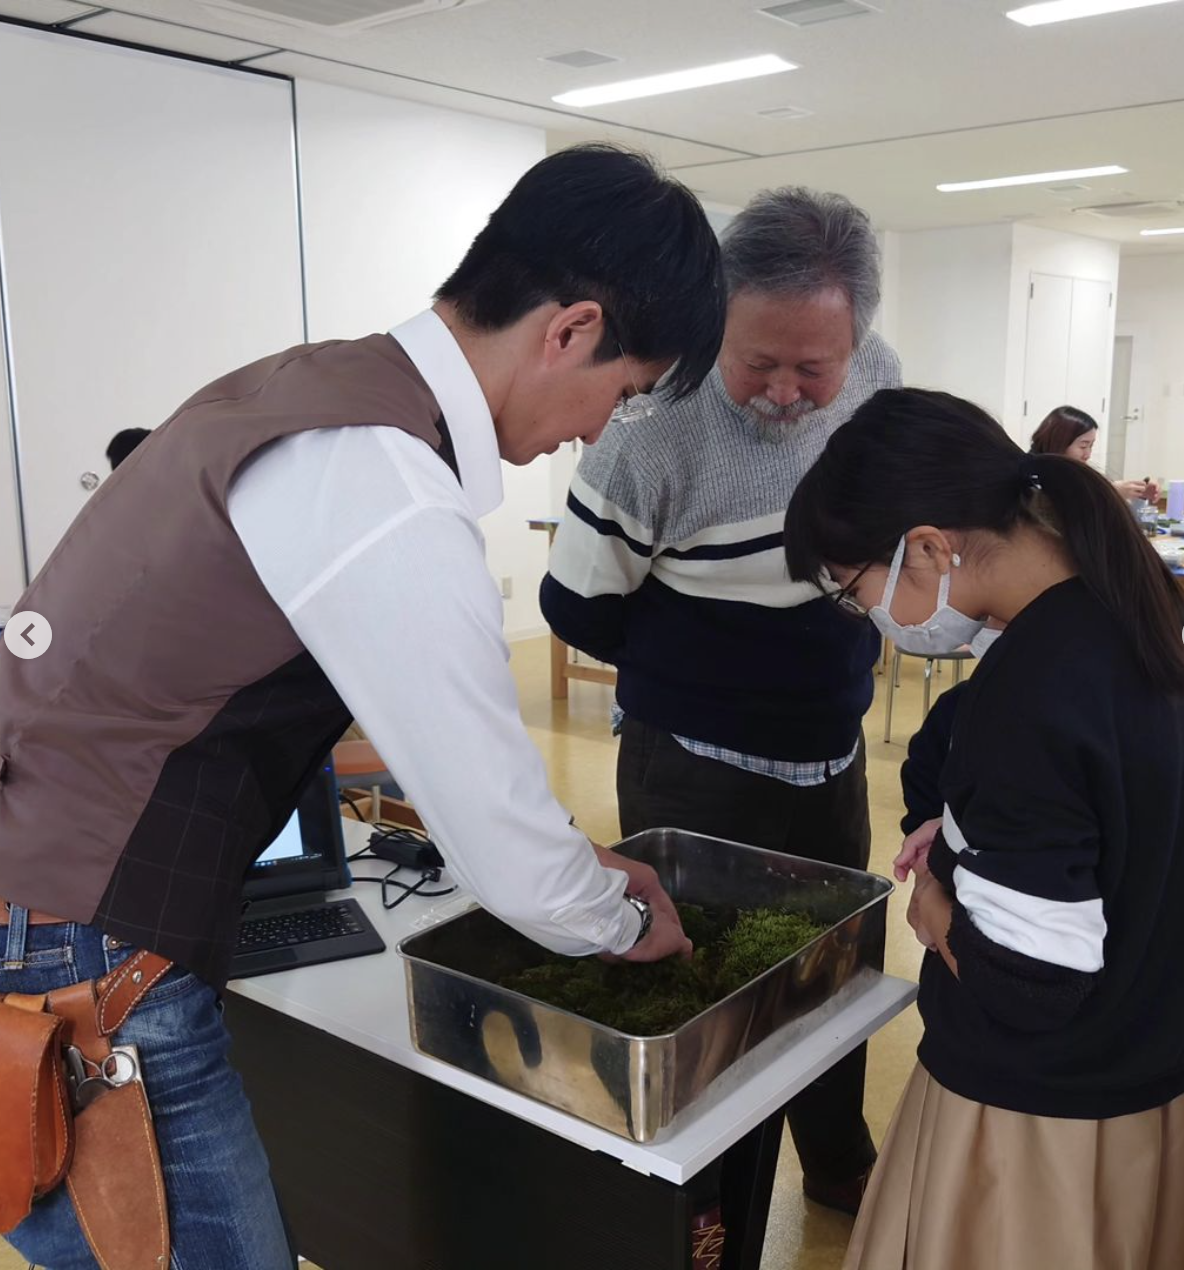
(312, 554)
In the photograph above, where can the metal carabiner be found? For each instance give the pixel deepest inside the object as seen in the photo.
(87, 1080)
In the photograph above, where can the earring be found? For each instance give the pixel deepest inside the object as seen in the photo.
(957, 559)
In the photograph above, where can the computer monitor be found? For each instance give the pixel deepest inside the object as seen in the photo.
(308, 854)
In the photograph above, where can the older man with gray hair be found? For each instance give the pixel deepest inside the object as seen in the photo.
(741, 693)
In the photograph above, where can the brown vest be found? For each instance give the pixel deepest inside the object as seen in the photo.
(153, 751)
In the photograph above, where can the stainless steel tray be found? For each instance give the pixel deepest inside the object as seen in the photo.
(636, 1086)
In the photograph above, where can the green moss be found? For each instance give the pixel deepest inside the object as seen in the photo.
(759, 940)
(702, 928)
(647, 999)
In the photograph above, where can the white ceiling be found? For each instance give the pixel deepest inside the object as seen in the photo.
(921, 92)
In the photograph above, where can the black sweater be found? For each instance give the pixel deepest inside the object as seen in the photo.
(920, 774)
(1063, 845)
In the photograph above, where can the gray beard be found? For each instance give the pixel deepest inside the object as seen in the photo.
(776, 429)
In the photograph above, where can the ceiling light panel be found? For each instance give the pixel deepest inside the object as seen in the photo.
(1068, 10)
(1031, 178)
(676, 81)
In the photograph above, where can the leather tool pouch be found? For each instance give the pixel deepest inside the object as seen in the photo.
(73, 1109)
(36, 1122)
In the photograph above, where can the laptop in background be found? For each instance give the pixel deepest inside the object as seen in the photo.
(287, 920)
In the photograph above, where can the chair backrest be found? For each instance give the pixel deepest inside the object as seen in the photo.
(357, 758)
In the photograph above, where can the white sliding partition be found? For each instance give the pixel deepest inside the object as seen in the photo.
(393, 194)
(150, 239)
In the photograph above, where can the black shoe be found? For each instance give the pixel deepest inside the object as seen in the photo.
(843, 1196)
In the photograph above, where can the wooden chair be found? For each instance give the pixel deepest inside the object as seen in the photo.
(359, 759)
(563, 666)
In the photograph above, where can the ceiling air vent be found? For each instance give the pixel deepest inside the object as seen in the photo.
(1132, 211)
(809, 12)
(336, 17)
(785, 112)
(581, 59)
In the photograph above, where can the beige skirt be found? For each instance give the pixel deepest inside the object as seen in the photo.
(963, 1186)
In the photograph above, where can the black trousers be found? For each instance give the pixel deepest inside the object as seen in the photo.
(662, 784)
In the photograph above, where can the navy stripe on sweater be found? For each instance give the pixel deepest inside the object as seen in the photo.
(608, 527)
(727, 550)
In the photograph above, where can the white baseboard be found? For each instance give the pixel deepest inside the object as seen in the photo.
(526, 632)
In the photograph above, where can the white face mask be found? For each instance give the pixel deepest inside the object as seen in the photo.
(945, 632)
(983, 640)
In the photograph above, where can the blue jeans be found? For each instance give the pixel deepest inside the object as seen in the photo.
(222, 1206)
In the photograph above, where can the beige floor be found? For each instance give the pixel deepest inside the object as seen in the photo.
(580, 754)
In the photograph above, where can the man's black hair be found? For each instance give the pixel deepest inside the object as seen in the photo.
(123, 443)
(598, 222)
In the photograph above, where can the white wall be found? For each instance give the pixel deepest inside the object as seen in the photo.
(1151, 310)
(956, 307)
(148, 208)
(393, 193)
(946, 305)
(1046, 251)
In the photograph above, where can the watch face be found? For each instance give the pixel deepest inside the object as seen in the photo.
(647, 916)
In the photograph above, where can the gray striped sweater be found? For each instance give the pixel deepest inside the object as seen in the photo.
(669, 563)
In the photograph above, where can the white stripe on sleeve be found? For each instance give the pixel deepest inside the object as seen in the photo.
(1068, 933)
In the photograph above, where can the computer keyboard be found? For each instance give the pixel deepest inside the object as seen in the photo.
(307, 926)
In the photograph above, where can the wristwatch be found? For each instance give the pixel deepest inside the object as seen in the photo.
(646, 913)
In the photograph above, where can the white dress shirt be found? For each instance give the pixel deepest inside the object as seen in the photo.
(372, 550)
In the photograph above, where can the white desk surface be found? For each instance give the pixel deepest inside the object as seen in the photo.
(364, 1002)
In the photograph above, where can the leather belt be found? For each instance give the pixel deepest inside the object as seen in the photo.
(35, 918)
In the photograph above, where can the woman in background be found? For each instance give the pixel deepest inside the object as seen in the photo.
(1044, 1124)
(1072, 433)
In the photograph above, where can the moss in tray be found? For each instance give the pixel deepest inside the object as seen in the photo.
(647, 999)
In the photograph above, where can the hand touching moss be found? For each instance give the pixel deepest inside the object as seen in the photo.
(666, 937)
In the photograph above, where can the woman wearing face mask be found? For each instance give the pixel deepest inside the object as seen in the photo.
(1071, 432)
(1044, 1124)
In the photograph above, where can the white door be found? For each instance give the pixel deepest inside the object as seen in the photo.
(12, 573)
(1121, 416)
(1046, 354)
(1091, 339)
(150, 240)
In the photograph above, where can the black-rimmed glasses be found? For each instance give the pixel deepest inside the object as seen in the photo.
(844, 597)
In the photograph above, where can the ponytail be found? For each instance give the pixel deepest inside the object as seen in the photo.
(912, 457)
(1114, 560)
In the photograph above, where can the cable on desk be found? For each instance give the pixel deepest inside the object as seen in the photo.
(342, 796)
(404, 848)
(409, 889)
